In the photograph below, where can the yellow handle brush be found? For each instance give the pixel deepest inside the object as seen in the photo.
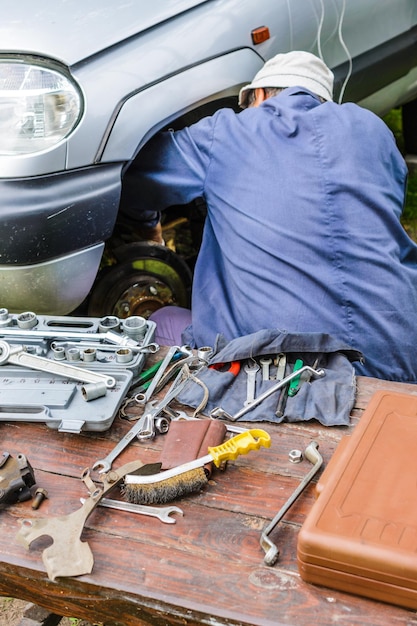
(178, 481)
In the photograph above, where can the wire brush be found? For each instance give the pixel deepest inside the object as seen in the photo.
(190, 477)
(166, 490)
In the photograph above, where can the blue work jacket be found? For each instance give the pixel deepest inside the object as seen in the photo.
(303, 229)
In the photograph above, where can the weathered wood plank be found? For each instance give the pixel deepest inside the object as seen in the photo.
(208, 567)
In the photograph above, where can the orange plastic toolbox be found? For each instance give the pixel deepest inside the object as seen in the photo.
(361, 533)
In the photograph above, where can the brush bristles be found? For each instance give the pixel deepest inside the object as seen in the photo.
(166, 490)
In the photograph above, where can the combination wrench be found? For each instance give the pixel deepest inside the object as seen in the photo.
(144, 427)
(17, 355)
(150, 348)
(143, 397)
(220, 413)
(163, 513)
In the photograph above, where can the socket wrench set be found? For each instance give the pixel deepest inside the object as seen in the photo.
(53, 367)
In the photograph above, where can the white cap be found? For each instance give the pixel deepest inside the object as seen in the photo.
(293, 69)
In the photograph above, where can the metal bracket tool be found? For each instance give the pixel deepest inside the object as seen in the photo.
(68, 555)
(271, 551)
(16, 478)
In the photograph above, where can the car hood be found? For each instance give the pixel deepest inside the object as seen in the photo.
(72, 31)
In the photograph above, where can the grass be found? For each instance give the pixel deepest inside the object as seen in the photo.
(409, 218)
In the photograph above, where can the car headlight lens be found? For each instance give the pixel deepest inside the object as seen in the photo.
(39, 107)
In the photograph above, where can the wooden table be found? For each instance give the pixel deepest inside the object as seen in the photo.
(208, 567)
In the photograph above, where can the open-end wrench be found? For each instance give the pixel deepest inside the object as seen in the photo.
(221, 414)
(281, 366)
(265, 363)
(163, 513)
(17, 355)
(271, 551)
(106, 463)
(251, 370)
(143, 397)
(144, 426)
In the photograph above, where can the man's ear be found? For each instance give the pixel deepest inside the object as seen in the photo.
(260, 96)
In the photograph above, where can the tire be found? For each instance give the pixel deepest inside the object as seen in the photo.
(145, 278)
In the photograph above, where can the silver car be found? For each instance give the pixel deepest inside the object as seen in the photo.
(83, 85)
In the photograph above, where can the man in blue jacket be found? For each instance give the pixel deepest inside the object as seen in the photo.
(303, 232)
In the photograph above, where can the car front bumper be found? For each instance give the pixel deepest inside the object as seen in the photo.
(53, 232)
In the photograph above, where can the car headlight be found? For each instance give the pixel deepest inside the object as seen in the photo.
(39, 106)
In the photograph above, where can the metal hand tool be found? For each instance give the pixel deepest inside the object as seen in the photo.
(271, 551)
(230, 450)
(67, 554)
(143, 397)
(150, 348)
(106, 463)
(67, 334)
(281, 365)
(144, 427)
(265, 363)
(222, 414)
(163, 513)
(17, 355)
(294, 386)
(251, 370)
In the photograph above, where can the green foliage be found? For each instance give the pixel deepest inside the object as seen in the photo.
(394, 120)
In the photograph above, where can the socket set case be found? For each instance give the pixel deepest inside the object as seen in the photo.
(29, 396)
(38, 337)
(361, 534)
(32, 395)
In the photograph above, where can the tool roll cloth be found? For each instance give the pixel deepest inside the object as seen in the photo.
(328, 399)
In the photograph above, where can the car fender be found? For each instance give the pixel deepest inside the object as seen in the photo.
(143, 113)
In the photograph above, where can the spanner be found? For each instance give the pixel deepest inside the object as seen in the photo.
(150, 348)
(142, 398)
(265, 363)
(163, 513)
(17, 355)
(143, 427)
(271, 551)
(221, 414)
(251, 369)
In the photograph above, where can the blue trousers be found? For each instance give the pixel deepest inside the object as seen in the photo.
(170, 321)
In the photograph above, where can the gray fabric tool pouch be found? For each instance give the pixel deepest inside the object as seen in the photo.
(328, 399)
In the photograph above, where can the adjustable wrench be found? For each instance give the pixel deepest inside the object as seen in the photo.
(17, 355)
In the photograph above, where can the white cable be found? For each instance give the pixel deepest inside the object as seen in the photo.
(290, 25)
(345, 48)
(319, 29)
